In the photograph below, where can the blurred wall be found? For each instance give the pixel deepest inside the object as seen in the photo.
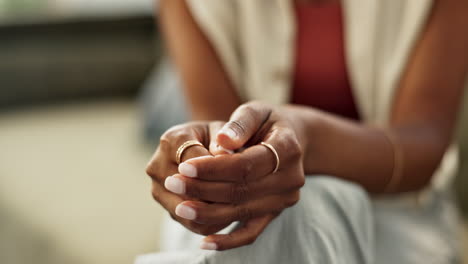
(58, 60)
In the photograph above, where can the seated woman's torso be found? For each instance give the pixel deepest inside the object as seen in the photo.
(320, 77)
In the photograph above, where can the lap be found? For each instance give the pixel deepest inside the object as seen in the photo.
(334, 222)
(417, 234)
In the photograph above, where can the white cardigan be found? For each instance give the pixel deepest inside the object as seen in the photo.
(255, 40)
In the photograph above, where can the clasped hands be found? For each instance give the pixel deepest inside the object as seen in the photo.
(230, 178)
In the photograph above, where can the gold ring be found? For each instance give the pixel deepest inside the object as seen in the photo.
(185, 146)
(270, 147)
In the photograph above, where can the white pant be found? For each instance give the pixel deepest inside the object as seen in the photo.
(334, 222)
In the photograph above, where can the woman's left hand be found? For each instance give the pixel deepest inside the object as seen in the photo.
(241, 187)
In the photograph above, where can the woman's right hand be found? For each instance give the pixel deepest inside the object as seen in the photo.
(163, 164)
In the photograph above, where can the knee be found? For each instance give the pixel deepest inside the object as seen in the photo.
(336, 190)
(332, 196)
(341, 209)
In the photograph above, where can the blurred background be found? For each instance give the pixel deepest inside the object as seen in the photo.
(74, 75)
(81, 104)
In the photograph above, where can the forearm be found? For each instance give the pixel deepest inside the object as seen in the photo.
(364, 154)
(209, 92)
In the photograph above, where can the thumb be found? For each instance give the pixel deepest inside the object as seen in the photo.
(243, 125)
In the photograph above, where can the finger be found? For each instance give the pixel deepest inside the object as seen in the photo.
(215, 148)
(215, 213)
(254, 162)
(170, 201)
(175, 137)
(250, 165)
(284, 141)
(218, 192)
(244, 123)
(160, 166)
(245, 235)
(167, 199)
(163, 163)
(231, 192)
(159, 172)
(247, 166)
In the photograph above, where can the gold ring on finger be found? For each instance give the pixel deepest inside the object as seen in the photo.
(184, 147)
(270, 147)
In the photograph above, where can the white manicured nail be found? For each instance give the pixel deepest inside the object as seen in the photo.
(188, 170)
(201, 157)
(208, 246)
(175, 185)
(185, 212)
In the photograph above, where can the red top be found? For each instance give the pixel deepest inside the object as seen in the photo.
(320, 76)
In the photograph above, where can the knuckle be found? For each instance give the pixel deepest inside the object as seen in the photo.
(193, 190)
(296, 150)
(151, 171)
(165, 143)
(238, 193)
(301, 181)
(200, 229)
(193, 226)
(293, 199)
(243, 213)
(208, 170)
(298, 182)
(175, 129)
(175, 132)
(155, 194)
(154, 169)
(246, 166)
(290, 142)
(205, 231)
(294, 144)
(238, 127)
(151, 167)
(251, 240)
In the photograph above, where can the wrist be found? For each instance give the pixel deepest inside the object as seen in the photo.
(311, 128)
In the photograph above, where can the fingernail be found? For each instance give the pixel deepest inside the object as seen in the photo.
(188, 170)
(201, 157)
(185, 212)
(175, 185)
(208, 246)
(225, 150)
(229, 133)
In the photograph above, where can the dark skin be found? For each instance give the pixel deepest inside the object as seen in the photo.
(309, 141)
